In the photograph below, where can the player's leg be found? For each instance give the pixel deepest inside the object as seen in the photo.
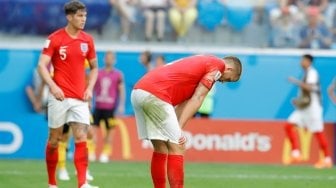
(175, 165)
(78, 117)
(159, 156)
(91, 140)
(52, 154)
(292, 136)
(110, 123)
(91, 150)
(316, 127)
(105, 154)
(294, 120)
(56, 119)
(326, 161)
(164, 131)
(159, 163)
(81, 152)
(62, 152)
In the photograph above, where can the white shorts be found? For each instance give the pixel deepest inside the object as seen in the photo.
(68, 110)
(310, 118)
(156, 119)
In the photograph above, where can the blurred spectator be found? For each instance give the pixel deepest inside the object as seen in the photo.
(160, 61)
(146, 59)
(320, 4)
(303, 4)
(110, 99)
(315, 34)
(285, 27)
(154, 12)
(127, 10)
(207, 106)
(333, 30)
(182, 15)
(37, 93)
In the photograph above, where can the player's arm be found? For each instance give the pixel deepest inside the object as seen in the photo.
(187, 109)
(121, 87)
(331, 91)
(303, 85)
(92, 78)
(45, 75)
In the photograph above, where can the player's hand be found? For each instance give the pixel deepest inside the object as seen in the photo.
(87, 95)
(57, 93)
(294, 80)
(182, 140)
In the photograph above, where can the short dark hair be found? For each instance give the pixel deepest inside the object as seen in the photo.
(309, 57)
(73, 6)
(236, 62)
(148, 55)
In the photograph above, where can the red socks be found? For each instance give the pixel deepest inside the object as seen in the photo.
(158, 169)
(175, 171)
(81, 162)
(292, 135)
(51, 162)
(323, 143)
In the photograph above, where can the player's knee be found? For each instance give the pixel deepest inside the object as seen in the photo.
(53, 142)
(177, 149)
(80, 136)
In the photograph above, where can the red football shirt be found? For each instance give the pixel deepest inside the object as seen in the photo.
(177, 81)
(68, 59)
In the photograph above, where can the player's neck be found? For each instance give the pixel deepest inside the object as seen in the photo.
(109, 69)
(71, 31)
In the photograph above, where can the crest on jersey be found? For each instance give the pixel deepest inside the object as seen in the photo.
(84, 47)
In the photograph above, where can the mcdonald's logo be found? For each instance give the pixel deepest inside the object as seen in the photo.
(305, 138)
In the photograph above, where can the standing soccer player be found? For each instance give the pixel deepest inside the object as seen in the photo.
(67, 49)
(308, 113)
(166, 98)
(109, 94)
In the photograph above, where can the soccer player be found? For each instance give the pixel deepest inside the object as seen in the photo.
(67, 49)
(109, 93)
(166, 98)
(308, 113)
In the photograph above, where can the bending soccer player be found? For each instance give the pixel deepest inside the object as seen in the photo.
(166, 98)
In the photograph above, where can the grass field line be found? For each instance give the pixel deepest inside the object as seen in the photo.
(190, 175)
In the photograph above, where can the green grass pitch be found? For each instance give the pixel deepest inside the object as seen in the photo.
(31, 173)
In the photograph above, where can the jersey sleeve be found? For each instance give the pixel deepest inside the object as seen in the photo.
(49, 46)
(92, 50)
(214, 69)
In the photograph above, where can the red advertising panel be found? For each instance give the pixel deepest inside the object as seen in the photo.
(231, 141)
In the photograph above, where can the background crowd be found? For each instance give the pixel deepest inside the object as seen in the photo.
(259, 23)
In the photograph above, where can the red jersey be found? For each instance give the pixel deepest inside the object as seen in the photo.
(68, 59)
(176, 82)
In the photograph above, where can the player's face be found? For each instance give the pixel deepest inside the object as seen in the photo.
(305, 63)
(229, 75)
(78, 20)
(109, 59)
